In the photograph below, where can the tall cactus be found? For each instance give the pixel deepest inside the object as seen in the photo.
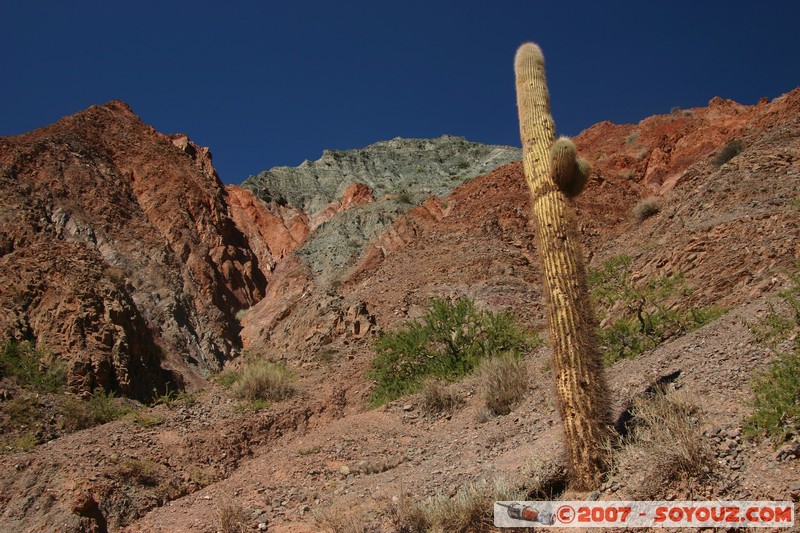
(554, 173)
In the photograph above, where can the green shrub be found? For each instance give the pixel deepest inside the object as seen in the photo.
(405, 198)
(648, 318)
(23, 443)
(227, 378)
(251, 406)
(728, 152)
(776, 392)
(448, 342)
(172, 398)
(142, 472)
(776, 399)
(31, 367)
(101, 407)
(23, 410)
(144, 419)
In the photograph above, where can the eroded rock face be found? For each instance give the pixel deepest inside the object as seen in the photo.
(660, 149)
(417, 167)
(274, 231)
(119, 254)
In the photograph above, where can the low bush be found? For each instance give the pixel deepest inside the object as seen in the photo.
(23, 410)
(23, 443)
(776, 399)
(144, 419)
(650, 311)
(101, 407)
(437, 397)
(344, 520)
(447, 342)
(141, 472)
(405, 198)
(470, 509)
(172, 398)
(31, 367)
(232, 518)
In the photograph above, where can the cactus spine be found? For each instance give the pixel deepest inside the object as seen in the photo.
(553, 172)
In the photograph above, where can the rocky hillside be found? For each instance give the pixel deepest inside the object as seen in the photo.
(117, 239)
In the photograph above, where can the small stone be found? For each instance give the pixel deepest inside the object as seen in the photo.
(408, 407)
(344, 470)
(262, 526)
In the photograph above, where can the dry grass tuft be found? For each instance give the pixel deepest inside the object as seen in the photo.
(438, 397)
(264, 380)
(471, 509)
(646, 208)
(664, 446)
(503, 381)
(232, 518)
(337, 520)
(544, 480)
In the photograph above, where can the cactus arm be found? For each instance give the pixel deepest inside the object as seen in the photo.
(570, 173)
(580, 381)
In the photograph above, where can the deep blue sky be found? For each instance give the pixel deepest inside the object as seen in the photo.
(266, 83)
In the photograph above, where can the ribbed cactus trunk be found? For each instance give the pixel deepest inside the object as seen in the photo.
(580, 382)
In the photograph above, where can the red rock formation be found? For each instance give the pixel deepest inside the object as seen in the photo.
(118, 252)
(658, 150)
(274, 231)
(355, 194)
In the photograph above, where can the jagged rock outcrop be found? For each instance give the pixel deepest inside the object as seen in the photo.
(274, 231)
(660, 149)
(118, 253)
(299, 317)
(416, 167)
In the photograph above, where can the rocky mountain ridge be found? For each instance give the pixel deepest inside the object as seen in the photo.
(415, 167)
(119, 253)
